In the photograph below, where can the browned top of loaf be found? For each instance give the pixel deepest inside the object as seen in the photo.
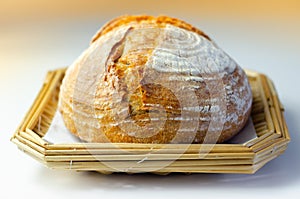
(160, 20)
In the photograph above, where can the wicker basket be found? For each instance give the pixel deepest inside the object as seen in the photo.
(267, 115)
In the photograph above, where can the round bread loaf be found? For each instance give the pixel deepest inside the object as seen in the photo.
(147, 79)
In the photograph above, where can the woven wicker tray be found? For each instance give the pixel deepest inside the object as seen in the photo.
(267, 115)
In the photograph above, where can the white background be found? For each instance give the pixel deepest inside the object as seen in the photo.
(31, 48)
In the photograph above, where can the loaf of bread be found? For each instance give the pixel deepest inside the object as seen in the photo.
(147, 79)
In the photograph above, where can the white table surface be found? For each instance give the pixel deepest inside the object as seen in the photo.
(28, 49)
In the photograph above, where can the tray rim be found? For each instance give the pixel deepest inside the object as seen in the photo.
(32, 143)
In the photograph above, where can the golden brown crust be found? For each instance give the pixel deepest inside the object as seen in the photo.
(160, 20)
(127, 74)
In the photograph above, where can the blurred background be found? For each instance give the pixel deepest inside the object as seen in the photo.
(41, 35)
